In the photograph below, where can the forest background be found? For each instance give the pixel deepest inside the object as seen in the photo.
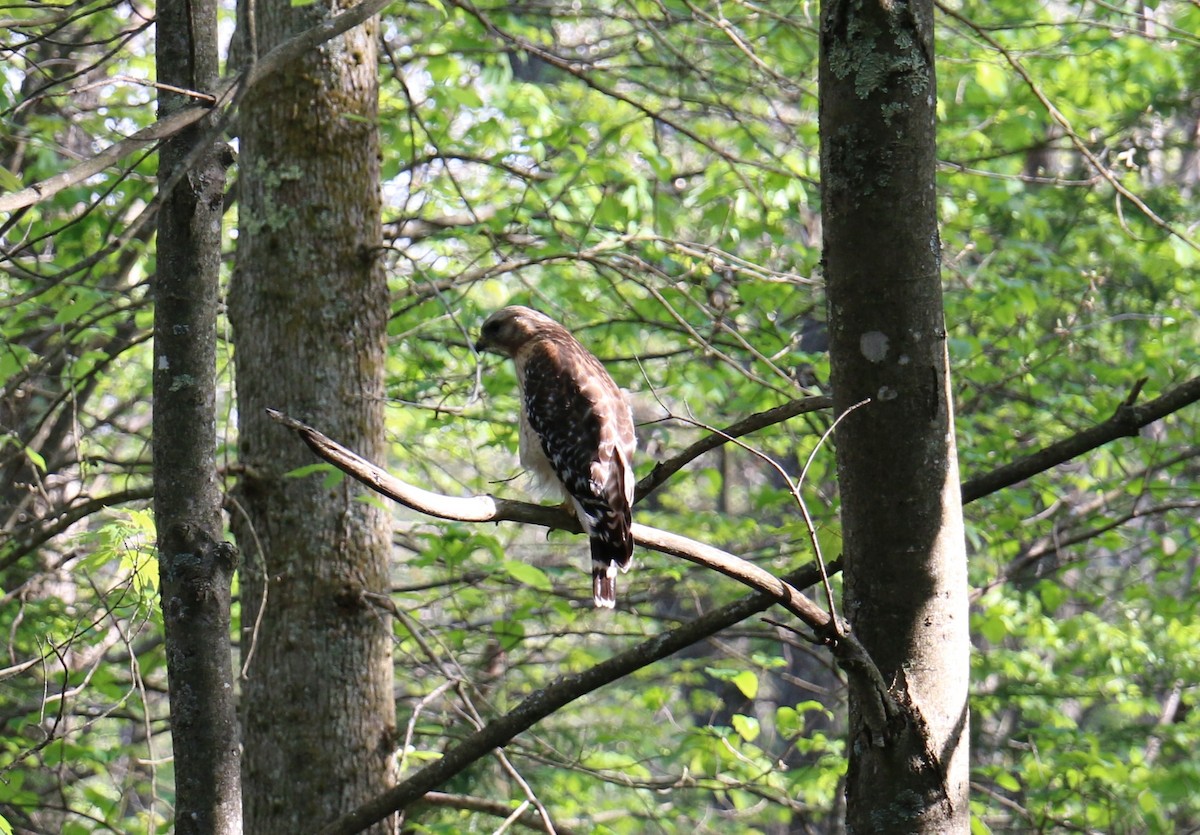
(648, 173)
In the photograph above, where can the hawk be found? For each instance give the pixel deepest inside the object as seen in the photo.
(576, 433)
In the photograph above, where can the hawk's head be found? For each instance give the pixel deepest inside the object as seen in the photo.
(510, 327)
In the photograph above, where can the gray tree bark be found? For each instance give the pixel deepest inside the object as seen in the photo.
(905, 565)
(195, 564)
(309, 308)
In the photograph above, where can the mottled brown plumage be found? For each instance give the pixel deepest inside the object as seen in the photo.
(576, 432)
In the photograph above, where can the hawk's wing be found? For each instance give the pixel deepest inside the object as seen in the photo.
(586, 431)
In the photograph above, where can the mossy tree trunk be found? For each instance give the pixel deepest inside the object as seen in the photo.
(309, 309)
(905, 566)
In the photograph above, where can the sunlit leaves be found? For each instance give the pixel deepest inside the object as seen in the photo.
(1080, 735)
(530, 575)
(656, 191)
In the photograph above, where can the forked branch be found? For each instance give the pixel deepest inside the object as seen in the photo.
(559, 693)
(770, 589)
(491, 509)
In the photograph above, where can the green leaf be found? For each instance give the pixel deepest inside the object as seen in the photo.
(605, 760)
(529, 575)
(1052, 594)
(991, 78)
(35, 458)
(747, 682)
(8, 182)
(309, 469)
(746, 726)
(1006, 781)
(993, 628)
(509, 633)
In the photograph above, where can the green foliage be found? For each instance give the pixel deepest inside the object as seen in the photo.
(1058, 304)
(94, 661)
(654, 187)
(1090, 740)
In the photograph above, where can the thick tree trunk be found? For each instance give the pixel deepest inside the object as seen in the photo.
(904, 553)
(195, 564)
(309, 308)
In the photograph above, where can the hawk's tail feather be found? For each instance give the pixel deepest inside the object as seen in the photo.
(607, 557)
(610, 535)
(604, 585)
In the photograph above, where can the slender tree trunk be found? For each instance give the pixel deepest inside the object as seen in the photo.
(904, 553)
(195, 564)
(309, 307)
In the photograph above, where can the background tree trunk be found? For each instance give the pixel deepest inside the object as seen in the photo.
(897, 467)
(195, 563)
(309, 307)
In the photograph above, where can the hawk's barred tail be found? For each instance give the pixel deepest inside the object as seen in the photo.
(607, 558)
(604, 584)
(610, 536)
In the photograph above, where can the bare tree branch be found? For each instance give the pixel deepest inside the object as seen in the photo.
(558, 694)
(760, 420)
(770, 590)
(496, 808)
(1054, 543)
(227, 91)
(1125, 422)
(57, 520)
(163, 128)
(491, 509)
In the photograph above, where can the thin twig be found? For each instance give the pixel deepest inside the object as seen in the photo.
(812, 531)
(760, 420)
(1076, 140)
(794, 489)
(1126, 421)
(411, 728)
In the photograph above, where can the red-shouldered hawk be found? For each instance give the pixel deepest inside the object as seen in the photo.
(576, 432)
